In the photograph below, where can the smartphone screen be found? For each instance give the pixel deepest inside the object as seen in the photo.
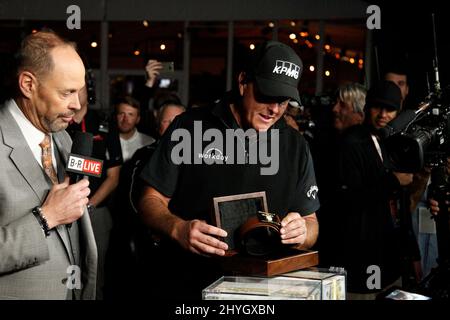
(167, 66)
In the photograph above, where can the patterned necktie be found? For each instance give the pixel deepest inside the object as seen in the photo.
(47, 163)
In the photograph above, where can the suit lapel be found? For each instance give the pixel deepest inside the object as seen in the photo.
(62, 145)
(21, 155)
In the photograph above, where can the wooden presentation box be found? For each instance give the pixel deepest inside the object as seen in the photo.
(235, 263)
(230, 212)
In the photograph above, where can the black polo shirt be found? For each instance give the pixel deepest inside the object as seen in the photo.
(192, 187)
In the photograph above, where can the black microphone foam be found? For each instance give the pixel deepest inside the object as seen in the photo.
(82, 143)
(398, 124)
(82, 146)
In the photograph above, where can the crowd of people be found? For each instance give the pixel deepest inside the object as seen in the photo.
(144, 228)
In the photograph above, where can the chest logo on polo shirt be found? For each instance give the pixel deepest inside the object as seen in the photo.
(312, 192)
(213, 154)
(229, 146)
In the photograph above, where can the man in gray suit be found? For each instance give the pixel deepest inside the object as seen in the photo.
(47, 247)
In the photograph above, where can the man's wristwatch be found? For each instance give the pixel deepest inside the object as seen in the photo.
(37, 211)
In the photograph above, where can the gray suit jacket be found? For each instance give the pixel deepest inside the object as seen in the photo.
(31, 265)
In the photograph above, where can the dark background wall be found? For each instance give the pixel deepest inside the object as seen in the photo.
(406, 37)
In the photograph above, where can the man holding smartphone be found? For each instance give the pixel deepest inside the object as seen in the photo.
(153, 69)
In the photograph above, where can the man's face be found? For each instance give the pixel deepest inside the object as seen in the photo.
(56, 97)
(380, 117)
(259, 112)
(127, 118)
(345, 116)
(170, 112)
(401, 81)
(83, 97)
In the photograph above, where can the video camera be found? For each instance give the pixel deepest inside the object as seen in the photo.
(422, 137)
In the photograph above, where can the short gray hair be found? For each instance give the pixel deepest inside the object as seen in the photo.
(353, 94)
(35, 52)
(163, 109)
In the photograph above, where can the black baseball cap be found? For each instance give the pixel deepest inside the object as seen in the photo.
(277, 69)
(384, 94)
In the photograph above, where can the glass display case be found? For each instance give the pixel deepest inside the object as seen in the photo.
(311, 284)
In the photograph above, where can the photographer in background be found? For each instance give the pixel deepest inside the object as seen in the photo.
(369, 224)
(399, 77)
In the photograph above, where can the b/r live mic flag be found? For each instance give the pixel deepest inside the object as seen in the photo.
(84, 165)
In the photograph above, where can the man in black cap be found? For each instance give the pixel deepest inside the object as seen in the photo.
(178, 200)
(371, 245)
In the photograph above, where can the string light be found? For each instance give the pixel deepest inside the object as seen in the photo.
(271, 24)
(94, 44)
(317, 37)
(252, 46)
(311, 68)
(137, 52)
(162, 46)
(327, 47)
(145, 23)
(327, 73)
(304, 34)
(352, 60)
(292, 23)
(292, 36)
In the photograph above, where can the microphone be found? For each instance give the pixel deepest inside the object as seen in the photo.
(80, 163)
(402, 120)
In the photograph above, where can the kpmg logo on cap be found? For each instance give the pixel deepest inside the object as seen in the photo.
(287, 68)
